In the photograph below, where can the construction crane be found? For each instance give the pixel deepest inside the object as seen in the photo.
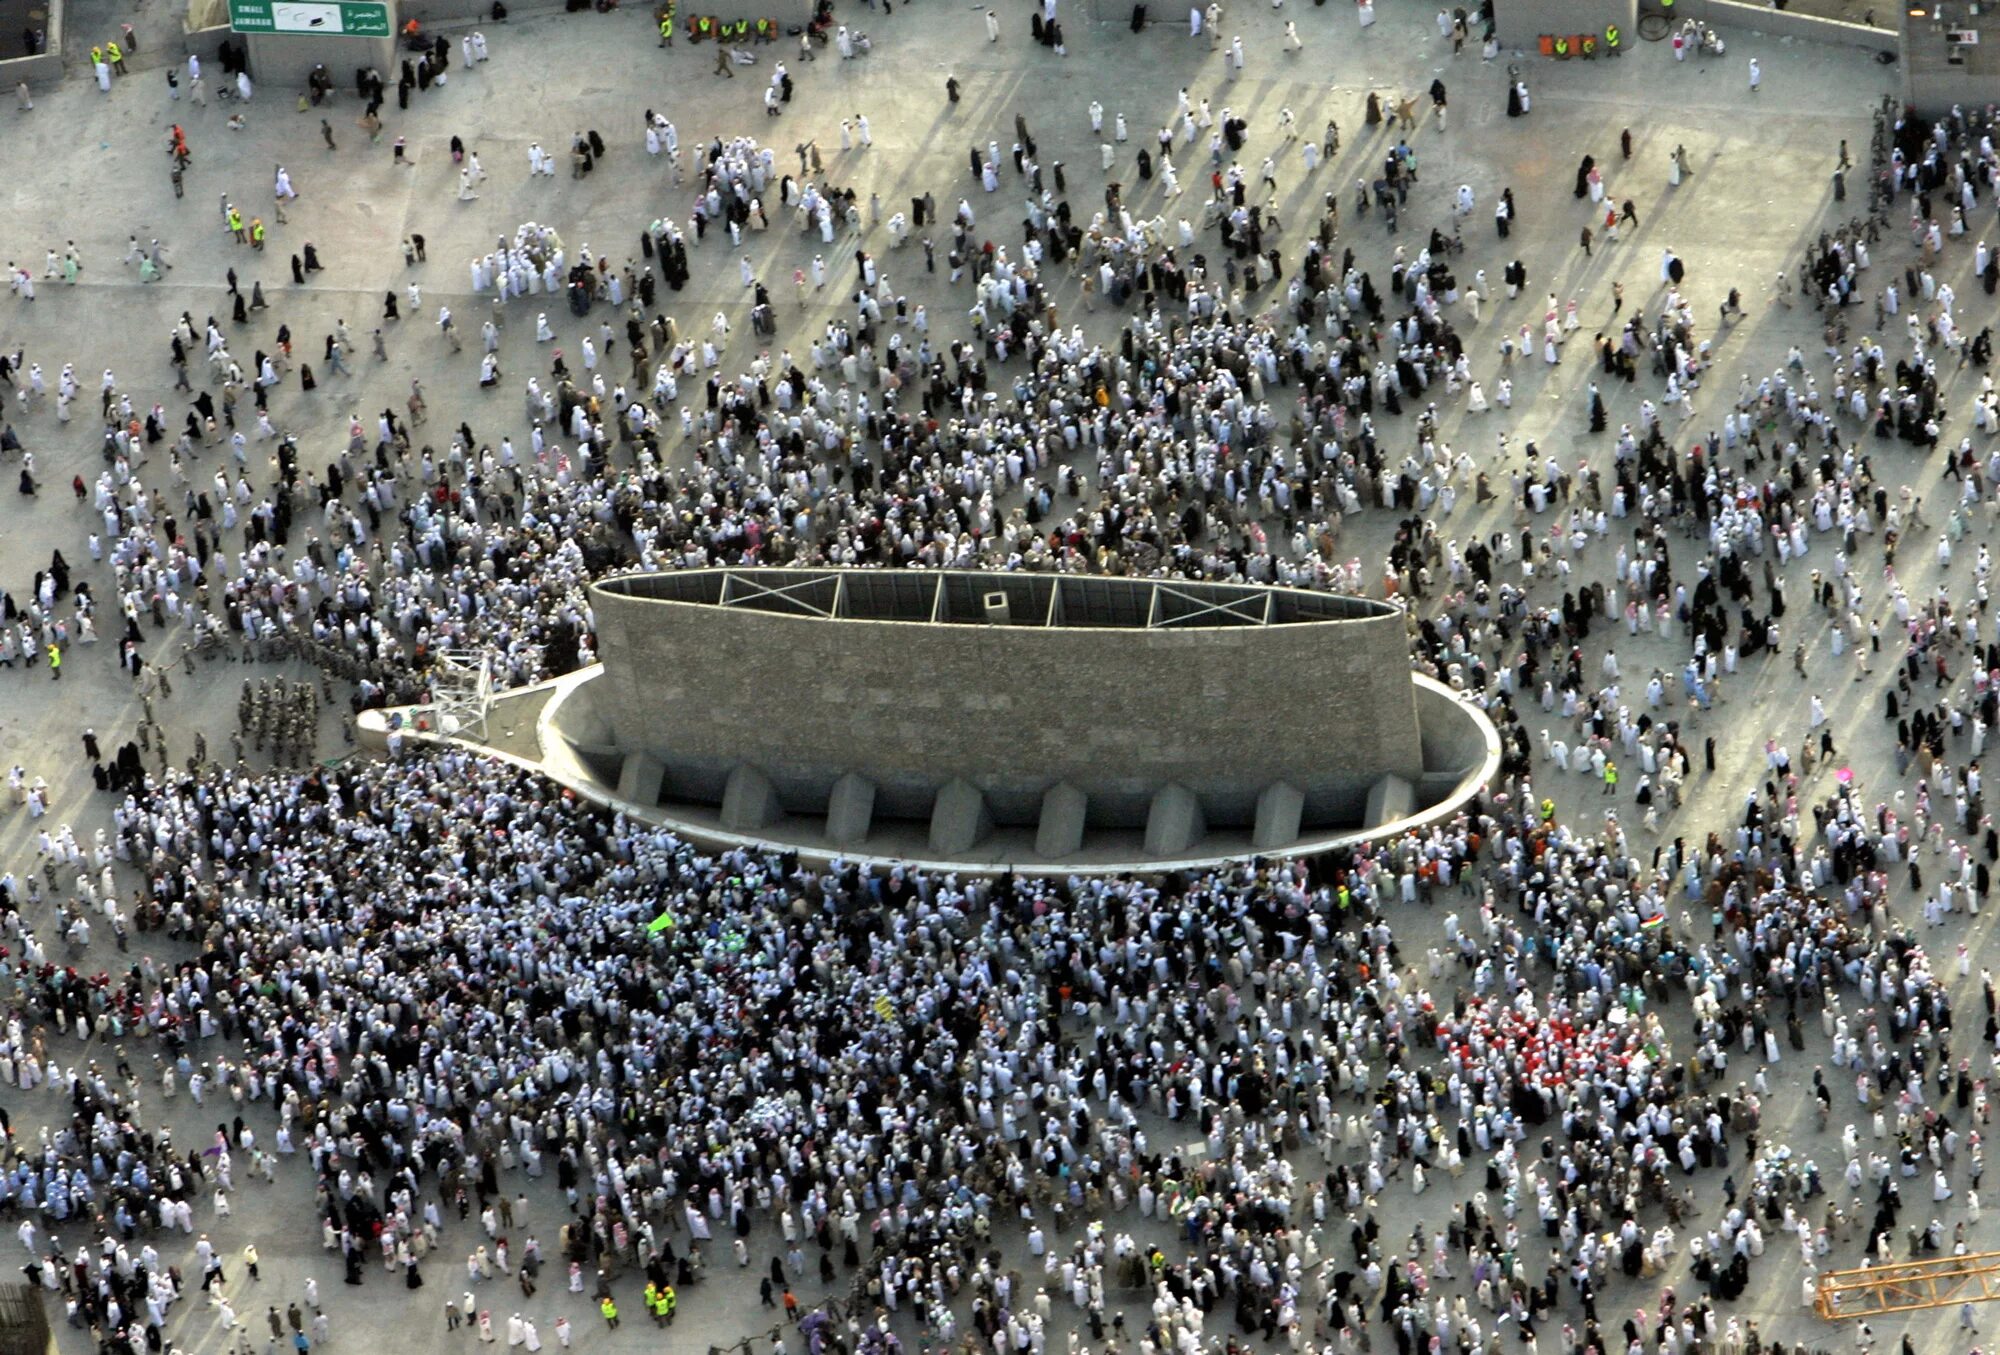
(1906, 1286)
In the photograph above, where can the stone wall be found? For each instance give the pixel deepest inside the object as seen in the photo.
(284, 61)
(206, 43)
(1741, 21)
(1520, 23)
(1117, 713)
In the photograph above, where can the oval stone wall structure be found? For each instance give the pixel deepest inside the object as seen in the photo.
(971, 701)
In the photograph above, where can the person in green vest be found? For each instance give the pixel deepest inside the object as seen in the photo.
(236, 227)
(609, 1308)
(1610, 778)
(668, 1302)
(256, 232)
(116, 56)
(667, 27)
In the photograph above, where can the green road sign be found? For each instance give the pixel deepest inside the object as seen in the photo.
(341, 18)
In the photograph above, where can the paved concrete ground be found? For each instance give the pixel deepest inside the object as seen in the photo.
(92, 167)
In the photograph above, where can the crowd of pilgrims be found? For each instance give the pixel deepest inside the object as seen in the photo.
(437, 980)
(1226, 433)
(440, 980)
(1944, 165)
(1237, 406)
(492, 547)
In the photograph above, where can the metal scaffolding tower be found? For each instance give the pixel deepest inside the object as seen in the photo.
(462, 693)
(1906, 1286)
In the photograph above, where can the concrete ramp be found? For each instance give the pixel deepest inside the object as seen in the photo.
(1280, 808)
(1175, 822)
(1389, 799)
(850, 810)
(959, 818)
(640, 777)
(1065, 809)
(749, 801)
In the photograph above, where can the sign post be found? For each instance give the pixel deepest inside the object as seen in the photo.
(335, 18)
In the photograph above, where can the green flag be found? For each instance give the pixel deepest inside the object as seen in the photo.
(664, 922)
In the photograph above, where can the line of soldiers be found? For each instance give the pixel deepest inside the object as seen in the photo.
(401, 686)
(284, 712)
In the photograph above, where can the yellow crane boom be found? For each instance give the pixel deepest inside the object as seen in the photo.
(1906, 1286)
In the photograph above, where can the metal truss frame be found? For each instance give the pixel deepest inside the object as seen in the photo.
(1908, 1286)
